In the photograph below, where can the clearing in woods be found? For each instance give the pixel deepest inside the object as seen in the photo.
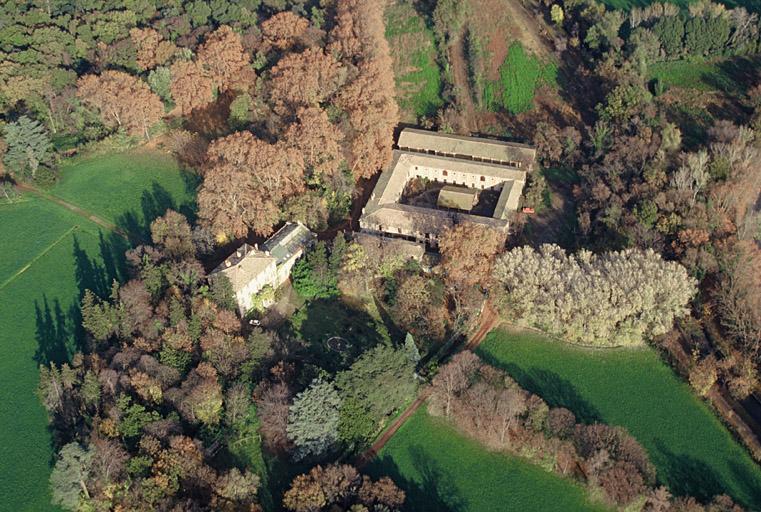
(50, 256)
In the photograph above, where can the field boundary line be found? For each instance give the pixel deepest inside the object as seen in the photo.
(36, 258)
(74, 208)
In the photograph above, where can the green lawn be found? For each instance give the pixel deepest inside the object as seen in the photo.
(693, 452)
(732, 76)
(418, 78)
(127, 188)
(39, 313)
(30, 216)
(440, 470)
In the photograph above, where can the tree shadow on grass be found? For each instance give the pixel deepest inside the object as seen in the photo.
(685, 475)
(433, 492)
(555, 390)
(749, 485)
(737, 75)
(54, 329)
(153, 204)
(59, 334)
(334, 334)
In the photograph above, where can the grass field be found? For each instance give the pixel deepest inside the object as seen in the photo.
(731, 76)
(440, 470)
(693, 452)
(128, 188)
(418, 78)
(62, 254)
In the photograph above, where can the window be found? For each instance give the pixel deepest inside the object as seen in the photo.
(399, 230)
(444, 172)
(483, 178)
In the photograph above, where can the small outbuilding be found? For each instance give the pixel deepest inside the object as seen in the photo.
(459, 198)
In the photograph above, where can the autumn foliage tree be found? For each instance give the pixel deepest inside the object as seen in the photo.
(468, 251)
(152, 50)
(368, 96)
(246, 181)
(191, 86)
(304, 79)
(284, 30)
(318, 140)
(122, 100)
(341, 487)
(227, 62)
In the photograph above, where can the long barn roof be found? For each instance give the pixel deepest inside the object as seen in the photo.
(461, 146)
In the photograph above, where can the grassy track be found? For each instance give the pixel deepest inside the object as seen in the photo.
(693, 452)
(418, 78)
(39, 312)
(440, 470)
(28, 228)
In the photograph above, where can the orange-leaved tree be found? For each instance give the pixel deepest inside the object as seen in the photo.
(122, 100)
(246, 182)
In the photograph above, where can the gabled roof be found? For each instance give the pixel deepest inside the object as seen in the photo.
(244, 265)
(454, 196)
(460, 146)
(288, 240)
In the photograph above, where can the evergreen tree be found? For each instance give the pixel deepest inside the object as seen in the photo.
(29, 147)
(69, 476)
(313, 419)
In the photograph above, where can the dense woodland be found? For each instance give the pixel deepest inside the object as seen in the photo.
(283, 108)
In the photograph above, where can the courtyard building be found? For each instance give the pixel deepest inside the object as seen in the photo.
(466, 179)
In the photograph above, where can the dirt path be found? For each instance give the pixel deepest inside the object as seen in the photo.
(462, 84)
(526, 29)
(74, 208)
(489, 319)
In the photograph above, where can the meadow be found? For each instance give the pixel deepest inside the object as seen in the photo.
(50, 256)
(692, 451)
(441, 470)
(418, 77)
(730, 75)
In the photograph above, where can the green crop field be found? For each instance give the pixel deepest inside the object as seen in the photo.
(49, 256)
(418, 78)
(693, 452)
(441, 470)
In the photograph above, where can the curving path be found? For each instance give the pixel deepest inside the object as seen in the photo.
(489, 320)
